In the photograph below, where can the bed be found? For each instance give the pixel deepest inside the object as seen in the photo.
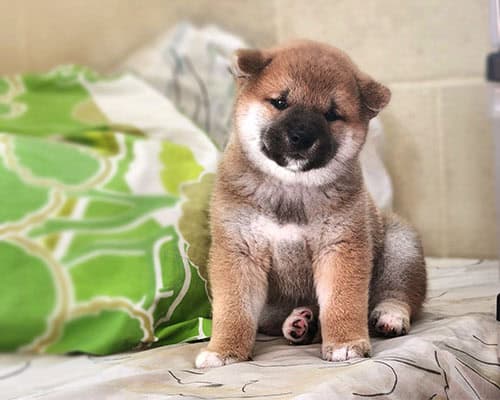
(450, 353)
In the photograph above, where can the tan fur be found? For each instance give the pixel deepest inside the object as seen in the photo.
(278, 243)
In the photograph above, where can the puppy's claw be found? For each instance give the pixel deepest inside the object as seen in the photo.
(211, 359)
(346, 351)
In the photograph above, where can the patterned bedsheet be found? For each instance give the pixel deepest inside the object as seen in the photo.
(451, 353)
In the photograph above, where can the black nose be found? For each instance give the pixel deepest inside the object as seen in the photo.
(300, 138)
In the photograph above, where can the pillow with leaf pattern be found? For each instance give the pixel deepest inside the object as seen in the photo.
(103, 215)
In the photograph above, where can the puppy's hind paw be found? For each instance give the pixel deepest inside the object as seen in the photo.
(211, 359)
(300, 327)
(389, 319)
(346, 351)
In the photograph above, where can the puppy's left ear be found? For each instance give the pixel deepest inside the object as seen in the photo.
(249, 62)
(374, 95)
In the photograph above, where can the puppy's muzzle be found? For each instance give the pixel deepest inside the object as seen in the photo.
(299, 134)
(303, 127)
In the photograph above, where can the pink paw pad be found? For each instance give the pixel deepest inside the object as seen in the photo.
(306, 313)
(299, 326)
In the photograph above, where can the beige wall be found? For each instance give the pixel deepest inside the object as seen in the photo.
(430, 52)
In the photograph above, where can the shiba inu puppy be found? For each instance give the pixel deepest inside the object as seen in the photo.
(296, 238)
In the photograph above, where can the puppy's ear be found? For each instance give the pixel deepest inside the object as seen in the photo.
(374, 95)
(249, 62)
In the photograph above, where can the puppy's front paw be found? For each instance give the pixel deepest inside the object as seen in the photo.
(346, 351)
(212, 359)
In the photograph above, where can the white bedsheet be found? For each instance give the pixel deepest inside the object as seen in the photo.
(450, 353)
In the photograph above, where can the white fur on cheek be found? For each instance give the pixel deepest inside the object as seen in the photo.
(253, 121)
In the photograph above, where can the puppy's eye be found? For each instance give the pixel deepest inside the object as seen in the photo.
(279, 104)
(332, 116)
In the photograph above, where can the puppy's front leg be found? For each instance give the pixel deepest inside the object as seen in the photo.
(239, 288)
(342, 278)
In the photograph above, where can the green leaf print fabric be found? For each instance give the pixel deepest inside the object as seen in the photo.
(104, 189)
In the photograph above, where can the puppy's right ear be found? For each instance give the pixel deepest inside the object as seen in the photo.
(249, 62)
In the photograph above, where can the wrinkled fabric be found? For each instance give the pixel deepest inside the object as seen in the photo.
(450, 353)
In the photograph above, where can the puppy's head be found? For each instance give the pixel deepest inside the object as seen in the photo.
(302, 110)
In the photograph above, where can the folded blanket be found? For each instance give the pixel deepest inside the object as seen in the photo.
(103, 226)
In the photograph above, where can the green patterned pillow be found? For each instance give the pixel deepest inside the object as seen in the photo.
(104, 189)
